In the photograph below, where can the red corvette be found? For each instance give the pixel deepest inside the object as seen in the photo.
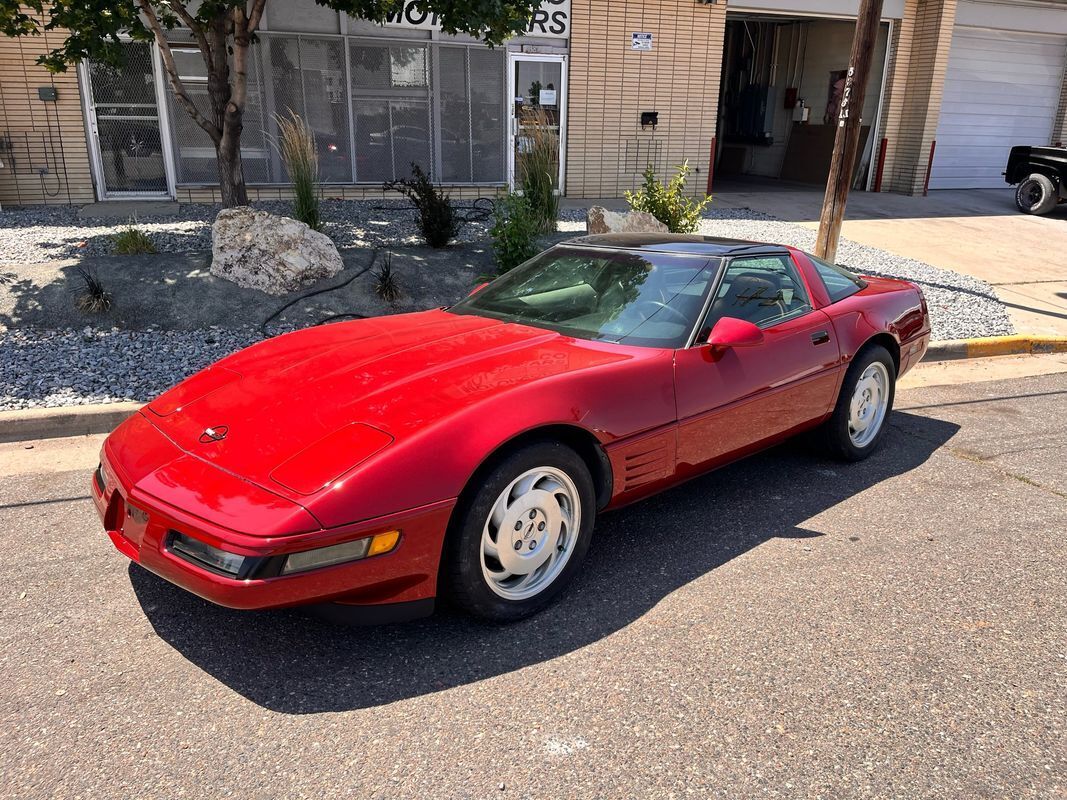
(373, 464)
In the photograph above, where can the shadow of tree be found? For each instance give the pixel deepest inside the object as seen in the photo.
(288, 662)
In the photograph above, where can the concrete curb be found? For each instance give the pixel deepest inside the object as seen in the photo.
(1021, 344)
(51, 423)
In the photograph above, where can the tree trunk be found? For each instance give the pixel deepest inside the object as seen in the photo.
(231, 173)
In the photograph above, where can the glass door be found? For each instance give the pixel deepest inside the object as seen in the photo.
(537, 102)
(124, 116)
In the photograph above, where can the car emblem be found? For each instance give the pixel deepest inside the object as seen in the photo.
(215, 434)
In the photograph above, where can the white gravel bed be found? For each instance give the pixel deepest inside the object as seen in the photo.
(46, 368)
(36, 234)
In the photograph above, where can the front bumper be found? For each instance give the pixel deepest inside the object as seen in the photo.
(140, 526)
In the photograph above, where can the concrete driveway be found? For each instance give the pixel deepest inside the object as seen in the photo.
(787, 627)
(976, 232)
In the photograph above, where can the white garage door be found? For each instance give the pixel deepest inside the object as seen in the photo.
(1001, 89)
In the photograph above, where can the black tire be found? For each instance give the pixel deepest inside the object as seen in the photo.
(1036, 194)
(834, 434)
(461, 572)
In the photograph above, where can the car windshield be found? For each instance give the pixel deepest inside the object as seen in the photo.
(624, 296)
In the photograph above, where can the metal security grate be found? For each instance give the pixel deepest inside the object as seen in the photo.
(126, 123)
(375, 107)
(194, 151)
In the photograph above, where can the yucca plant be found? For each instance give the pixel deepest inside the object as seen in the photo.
(385, 283)
(296, 146)
(539, 167)
(93, 298)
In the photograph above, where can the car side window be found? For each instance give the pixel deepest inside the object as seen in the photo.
(764, 290)
(839, 282)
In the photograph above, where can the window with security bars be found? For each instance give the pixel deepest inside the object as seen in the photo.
(439, 106)
(306, 75)
(194, 152)
(471, 81)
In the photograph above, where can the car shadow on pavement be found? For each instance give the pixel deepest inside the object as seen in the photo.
(289, 662)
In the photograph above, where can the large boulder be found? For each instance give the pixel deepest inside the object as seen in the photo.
(600, 220)
(275, 254)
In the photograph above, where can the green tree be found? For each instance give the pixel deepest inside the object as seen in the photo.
(223, 31)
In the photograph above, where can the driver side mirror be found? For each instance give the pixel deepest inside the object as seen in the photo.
(731, 332)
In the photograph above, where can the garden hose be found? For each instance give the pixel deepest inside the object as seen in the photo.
(314, 292)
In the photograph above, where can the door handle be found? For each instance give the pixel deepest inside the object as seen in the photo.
(820, 337)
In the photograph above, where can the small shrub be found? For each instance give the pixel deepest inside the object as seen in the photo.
(514, 231)
(438, 220)
(296, 146)
(539, 168)
(385, 283)
(93, 298)
(668, 203)
(131, 241)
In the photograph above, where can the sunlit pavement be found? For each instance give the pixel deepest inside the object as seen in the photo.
(786, 627)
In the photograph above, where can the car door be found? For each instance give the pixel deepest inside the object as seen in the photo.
(732, 400)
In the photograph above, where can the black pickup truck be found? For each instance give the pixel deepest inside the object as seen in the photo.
(1041, 175)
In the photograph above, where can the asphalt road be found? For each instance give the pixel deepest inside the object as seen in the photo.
(787, 627)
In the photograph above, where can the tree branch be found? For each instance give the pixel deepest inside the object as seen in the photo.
(255, 16)
(172, 72)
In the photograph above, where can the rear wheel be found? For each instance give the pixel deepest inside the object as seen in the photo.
(1036, 195)
(858, 423)
(520, 537)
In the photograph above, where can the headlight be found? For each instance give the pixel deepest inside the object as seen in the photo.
(205, 555)
(340, 553)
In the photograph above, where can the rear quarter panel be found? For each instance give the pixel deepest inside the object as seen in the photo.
(885, 306)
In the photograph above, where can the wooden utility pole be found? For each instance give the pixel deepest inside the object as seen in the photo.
(847, 138)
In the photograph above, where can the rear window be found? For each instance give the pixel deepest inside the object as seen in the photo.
(839, 282)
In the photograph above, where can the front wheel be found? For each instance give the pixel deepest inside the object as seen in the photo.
(1036, 195)
(519, 538)
(858, 423)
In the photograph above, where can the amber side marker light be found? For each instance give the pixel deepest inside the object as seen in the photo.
(340, 553)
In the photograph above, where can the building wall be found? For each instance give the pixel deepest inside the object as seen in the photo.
(35, 133)
(925, 39)
(610, 85)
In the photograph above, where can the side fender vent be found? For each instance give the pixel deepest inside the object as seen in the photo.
(644, 461)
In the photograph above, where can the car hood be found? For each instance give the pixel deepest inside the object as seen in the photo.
(294, 413)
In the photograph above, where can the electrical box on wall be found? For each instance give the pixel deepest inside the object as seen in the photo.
(47, 93)
(801, 112)
(649, 119)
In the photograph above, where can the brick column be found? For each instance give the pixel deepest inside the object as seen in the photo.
(610, 84)
(913, 98)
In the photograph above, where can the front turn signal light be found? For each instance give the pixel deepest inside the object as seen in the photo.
(341, 553)
(383, 543)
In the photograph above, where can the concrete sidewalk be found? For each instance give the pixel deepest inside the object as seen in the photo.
(977, 232)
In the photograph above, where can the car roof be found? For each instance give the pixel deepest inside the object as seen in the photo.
(692, 244)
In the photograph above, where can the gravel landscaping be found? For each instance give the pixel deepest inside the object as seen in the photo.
(50, 356)
(33, 235)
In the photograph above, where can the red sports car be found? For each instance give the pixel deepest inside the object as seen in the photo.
(371, 465)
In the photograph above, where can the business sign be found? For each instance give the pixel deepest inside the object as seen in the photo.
(552, 20)
(640, 41)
